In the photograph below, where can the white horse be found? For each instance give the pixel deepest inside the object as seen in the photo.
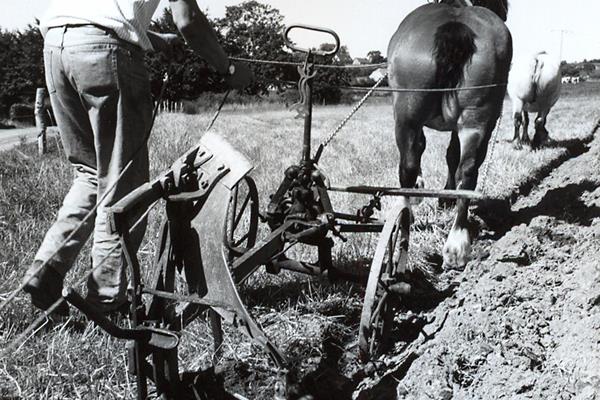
(534, 86)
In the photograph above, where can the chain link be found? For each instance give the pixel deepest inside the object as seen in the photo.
(352, 112)
(299, 64)
(490, 157)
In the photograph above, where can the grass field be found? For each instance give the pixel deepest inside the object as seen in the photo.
(302, 315)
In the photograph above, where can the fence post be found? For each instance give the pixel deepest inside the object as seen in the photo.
(40, 120)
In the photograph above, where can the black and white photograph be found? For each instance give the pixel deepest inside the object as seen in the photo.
(300, 200)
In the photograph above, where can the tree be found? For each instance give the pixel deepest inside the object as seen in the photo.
(254, 30)
(21, 66)
(248, 30)
(569, 69)
(375, 57)
(343, 56)
(328, 81)
(189, 76)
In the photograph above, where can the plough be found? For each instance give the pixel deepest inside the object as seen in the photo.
(208, 246)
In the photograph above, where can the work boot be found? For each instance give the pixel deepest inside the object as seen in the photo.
(45, 287)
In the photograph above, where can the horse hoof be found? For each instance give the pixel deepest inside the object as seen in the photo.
(457, 249)
(538, 144)
(419, 184)
(517, 145)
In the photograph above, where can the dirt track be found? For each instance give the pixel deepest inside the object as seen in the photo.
(524, 322)
(9, 138)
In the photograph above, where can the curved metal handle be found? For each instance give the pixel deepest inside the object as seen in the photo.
(292, 46)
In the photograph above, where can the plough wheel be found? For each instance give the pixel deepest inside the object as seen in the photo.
(241, 223)
(384, 286)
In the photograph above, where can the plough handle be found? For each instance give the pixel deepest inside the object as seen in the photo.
(154, 337)
(291, 45)
(123, 214)
(94, 315)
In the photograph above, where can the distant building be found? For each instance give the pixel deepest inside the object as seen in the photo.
(570, 79)
(360, 61)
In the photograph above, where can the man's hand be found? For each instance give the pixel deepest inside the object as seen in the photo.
(241, 77)
(169, 44)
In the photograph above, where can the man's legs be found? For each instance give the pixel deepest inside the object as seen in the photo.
(100, 94)
(120, 123)
(77, 136)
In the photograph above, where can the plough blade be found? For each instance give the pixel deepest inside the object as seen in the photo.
(209, 223)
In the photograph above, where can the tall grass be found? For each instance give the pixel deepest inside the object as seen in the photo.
(299, 313)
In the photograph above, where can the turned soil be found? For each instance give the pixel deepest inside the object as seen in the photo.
(524, 322)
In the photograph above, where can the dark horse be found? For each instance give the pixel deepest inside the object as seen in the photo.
(450, 45)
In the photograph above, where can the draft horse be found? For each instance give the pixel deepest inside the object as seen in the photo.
(450, 44)
(534, 85)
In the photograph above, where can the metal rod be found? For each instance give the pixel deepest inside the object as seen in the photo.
(136, 301)
(354, 217)
(397, 191)
(298, 266)
(307, 117)
(360, 228)
(195, 299)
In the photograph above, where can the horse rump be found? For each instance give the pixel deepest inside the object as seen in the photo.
(454, 46)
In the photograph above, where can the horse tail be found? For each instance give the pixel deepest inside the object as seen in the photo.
(535, 78)
(454, 45)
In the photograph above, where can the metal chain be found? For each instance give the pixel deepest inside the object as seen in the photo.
(424, 90)
(489, 158)
(299, 64)
(388, 89)
(352, 112)
(364, 66)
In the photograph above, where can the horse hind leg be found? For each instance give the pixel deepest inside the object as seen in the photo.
(541, 133)
(518, 123)
(525, 136)
(452, 160)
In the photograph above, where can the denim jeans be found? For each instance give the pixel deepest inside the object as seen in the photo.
(100, 92)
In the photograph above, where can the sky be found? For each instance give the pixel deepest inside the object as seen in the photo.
(365, 25)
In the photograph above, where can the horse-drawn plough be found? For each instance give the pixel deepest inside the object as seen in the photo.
(209, 245)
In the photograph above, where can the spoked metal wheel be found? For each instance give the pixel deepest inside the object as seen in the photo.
(241, 223)
(384, 286)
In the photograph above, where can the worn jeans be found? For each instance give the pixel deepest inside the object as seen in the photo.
(100, 92)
